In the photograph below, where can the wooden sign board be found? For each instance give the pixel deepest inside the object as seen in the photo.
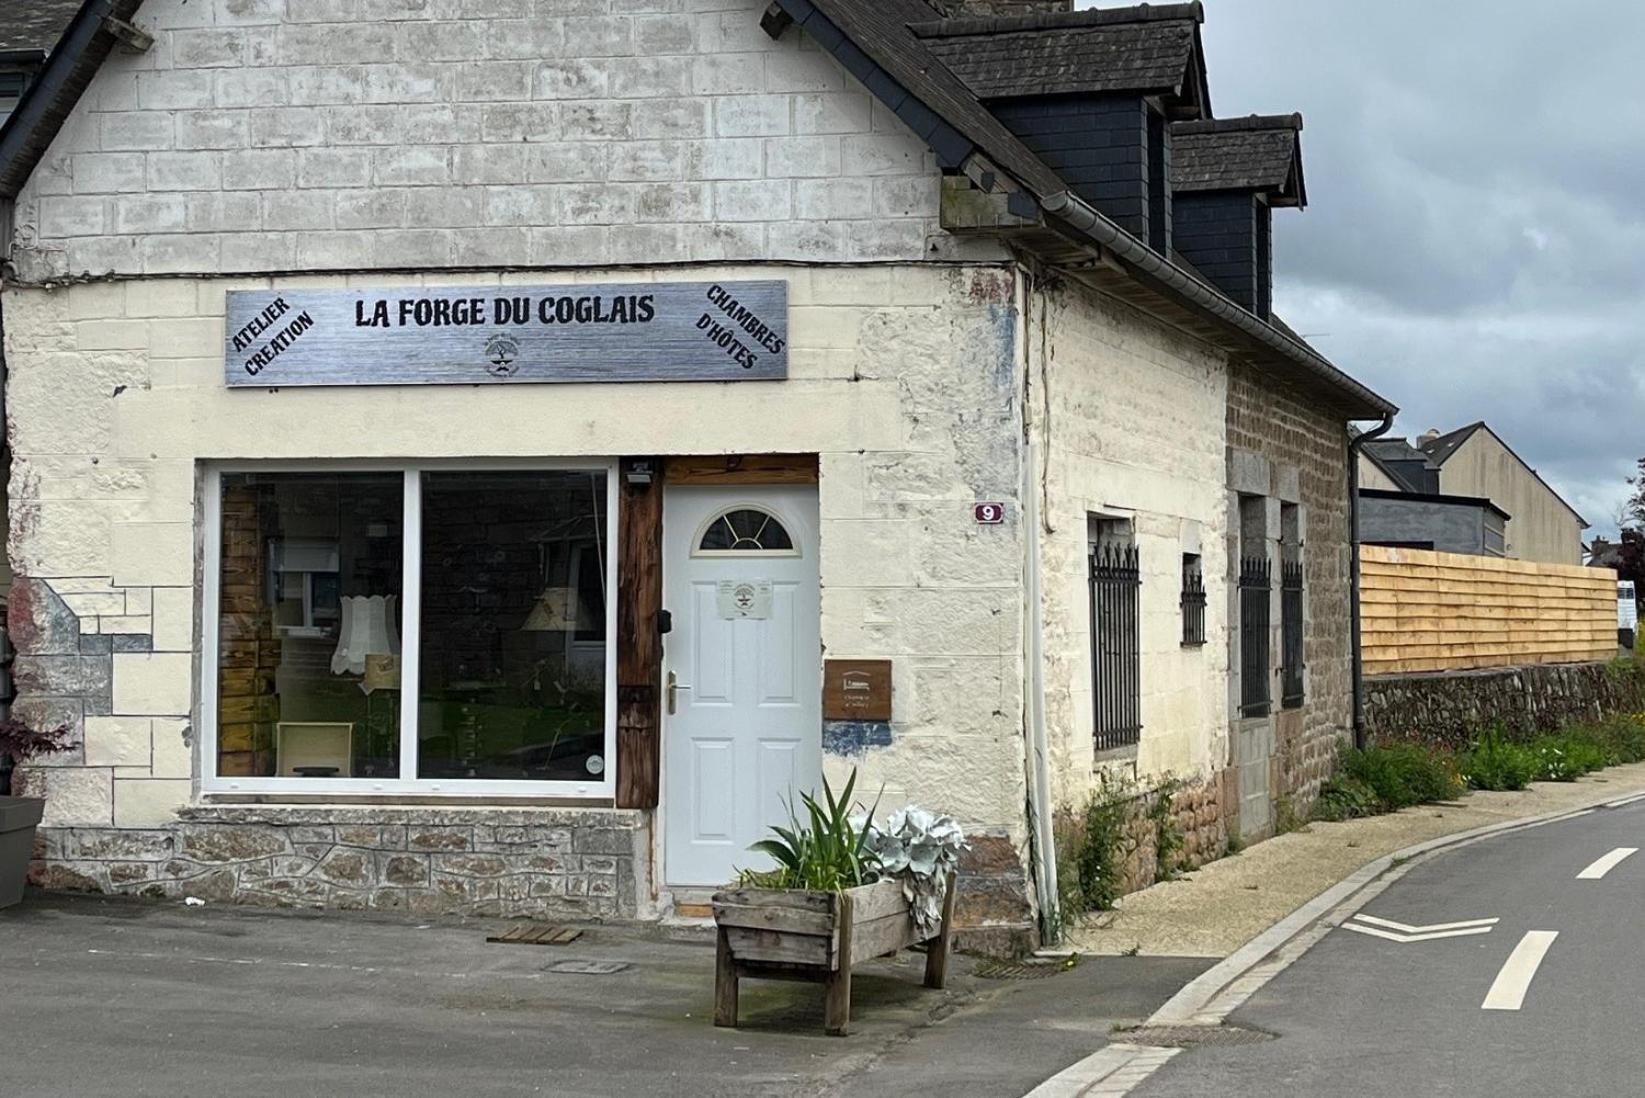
(857, 690)
(468, 335)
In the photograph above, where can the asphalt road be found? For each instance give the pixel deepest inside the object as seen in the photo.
(1547, 1002)
(112, 997)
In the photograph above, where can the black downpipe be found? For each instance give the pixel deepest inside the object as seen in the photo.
(1354, 445)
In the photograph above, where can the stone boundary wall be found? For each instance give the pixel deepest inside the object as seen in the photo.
(1451, 707)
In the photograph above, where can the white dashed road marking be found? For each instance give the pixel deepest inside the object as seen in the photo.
(1508, 991)
(1606, 864)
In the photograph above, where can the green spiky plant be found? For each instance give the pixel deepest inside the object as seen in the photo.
(825, 851)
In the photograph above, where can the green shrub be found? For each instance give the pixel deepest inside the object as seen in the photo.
(1565, 757)
(1403, 774)
(1345, 798)
(1621, 737)
(1495, 763)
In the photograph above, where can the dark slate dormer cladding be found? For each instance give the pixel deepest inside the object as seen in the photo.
(1092, 94)
(1227, 176)
(1406, 465)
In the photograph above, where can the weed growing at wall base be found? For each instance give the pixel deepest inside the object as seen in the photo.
(1496, 763)
(1096, 844)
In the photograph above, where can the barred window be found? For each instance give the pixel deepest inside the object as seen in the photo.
(1254, 587)
(1116, 639)
(1193, 601)
(1290, 605)
(1291, 633)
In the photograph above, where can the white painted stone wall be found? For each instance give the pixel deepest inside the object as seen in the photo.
(285, 135)
(1130, 420)
(903, 378)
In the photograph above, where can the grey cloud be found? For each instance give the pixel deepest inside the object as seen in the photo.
(1473, 245)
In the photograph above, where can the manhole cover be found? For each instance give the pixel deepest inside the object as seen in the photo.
(1193, 1036)
(1020, 970)
(586, 968)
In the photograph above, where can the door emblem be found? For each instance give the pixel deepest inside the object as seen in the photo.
(744, 599)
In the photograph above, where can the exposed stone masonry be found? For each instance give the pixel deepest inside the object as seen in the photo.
(574, 864)
(1452, 707)
(1197, 816)
(1267, 418)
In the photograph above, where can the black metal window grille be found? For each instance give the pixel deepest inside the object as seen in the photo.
(1290, 629)
(1116, 663)
(1255, 582)
(1193, 601)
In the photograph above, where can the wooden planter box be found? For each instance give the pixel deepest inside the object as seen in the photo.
(817, 936)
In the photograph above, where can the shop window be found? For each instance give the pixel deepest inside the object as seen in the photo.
(427, 630)
(745, 530)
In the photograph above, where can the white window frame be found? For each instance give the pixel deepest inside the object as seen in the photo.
(602, 787)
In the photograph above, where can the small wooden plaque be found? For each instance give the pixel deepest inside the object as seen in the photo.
(857, 690)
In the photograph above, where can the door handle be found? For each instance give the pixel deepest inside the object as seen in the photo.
(674, 687)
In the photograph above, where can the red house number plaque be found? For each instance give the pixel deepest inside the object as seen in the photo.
(988, 514)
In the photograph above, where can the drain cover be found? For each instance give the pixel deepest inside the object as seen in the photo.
(1193, 1036)
(586, 968)
(537, 934)
(1020, 970)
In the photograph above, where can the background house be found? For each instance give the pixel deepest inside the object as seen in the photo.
(1462, 489)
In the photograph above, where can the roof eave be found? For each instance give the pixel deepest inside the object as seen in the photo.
(1067, 208)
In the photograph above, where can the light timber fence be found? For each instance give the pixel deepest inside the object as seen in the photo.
(1427, 611)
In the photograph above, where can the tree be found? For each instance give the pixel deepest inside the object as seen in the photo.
(1633, 510)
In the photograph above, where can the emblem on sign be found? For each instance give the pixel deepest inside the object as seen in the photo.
(501, 351)
(744, 599)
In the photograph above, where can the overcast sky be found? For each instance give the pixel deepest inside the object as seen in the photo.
(1474, 243)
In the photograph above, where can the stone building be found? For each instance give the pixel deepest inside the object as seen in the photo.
(483, 455)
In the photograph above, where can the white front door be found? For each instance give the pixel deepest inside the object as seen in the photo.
(742, 722)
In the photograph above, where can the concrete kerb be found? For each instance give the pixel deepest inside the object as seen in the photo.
(1220, 990)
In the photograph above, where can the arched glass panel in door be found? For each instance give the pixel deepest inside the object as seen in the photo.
(745, 530)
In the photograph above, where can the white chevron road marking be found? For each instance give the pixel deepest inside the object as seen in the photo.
(1406, 929)
(1391, 931)
(1402, 938)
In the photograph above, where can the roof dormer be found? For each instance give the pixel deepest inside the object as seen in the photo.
(1093, 93)
(1227, 175)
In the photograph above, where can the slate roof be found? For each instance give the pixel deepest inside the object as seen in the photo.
(1441, 448)
(1259, 153)
(1146, 50)
(34, 24)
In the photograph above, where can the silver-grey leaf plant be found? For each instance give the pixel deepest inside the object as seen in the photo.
(922, 849)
